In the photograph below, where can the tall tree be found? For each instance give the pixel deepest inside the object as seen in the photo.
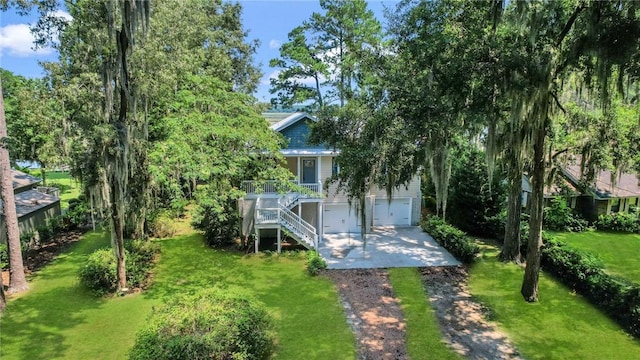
(321, 63)
(17, 281)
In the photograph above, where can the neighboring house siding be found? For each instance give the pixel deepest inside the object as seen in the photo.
(31, 221)
(297, 136)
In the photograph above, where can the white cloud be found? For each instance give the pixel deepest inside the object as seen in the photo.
(17, 40)
(267, 80)
(275, 44)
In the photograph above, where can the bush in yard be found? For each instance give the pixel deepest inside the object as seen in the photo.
(621, 222)
(212, 324)
(219, 223)
(452, 239)
(4, 256)
(315, 263)
(584, 273)
(162, 225)
(560, 217)
(99, 272)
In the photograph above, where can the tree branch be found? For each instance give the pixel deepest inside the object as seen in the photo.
(569, 24)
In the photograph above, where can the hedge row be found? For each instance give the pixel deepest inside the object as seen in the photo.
(451, 238)
(584, 272)
(620, 222)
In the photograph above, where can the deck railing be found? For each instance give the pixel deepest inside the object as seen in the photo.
(302, 230)
(277, 187)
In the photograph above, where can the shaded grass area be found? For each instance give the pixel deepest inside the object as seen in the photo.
(58, 319)
(423, 336)
(619, 252)
(562, 325)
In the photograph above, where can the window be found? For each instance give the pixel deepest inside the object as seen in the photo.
(335, 168)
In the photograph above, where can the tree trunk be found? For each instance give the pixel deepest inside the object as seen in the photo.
(511, 247)
(529, 288)
(18, 281)
(117, 238)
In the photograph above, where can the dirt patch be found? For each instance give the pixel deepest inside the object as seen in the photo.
(372, 311)
(41, 255)
(461, 318)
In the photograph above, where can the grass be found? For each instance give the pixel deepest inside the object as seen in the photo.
(69, 188)
(562, 325)
(57, 319)
(619, 252)
(424, 338)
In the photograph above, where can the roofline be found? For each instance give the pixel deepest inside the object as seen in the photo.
(290, 120)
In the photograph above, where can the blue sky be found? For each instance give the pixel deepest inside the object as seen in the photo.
(267, 20)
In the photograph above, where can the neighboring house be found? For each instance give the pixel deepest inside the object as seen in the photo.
(34, 205)
(308, 215)
(602, 197)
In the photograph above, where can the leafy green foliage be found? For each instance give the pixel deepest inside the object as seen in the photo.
(560, 217)
(315, 263)
(4, 256)
(99, 271)
(475, 203)
(451, 238)
(620, 221)
(211, 324)
(583, 272)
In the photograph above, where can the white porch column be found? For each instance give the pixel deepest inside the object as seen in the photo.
(299, 173)
(318, 177)
(320, 221)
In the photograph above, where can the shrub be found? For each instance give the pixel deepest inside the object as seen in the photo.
(55, 225)
(77, 215)
(315, 263)
(44, 234)
(622, 222)
(583, 272)
(212, 324)
(560, 217)
(162, 226)
(99, 272)
(452, 239)
(219, 223)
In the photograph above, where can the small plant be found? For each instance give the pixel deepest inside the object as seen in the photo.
(315, 263)
(212, 324)
(162, 225)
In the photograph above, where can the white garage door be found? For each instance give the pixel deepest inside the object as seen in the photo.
(338, 218)
(396, 212)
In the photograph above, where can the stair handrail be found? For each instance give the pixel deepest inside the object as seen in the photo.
(300, 226)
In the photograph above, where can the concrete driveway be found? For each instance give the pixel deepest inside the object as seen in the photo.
(386, 247)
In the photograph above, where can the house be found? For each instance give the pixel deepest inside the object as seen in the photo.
(307, 215)
(34, 205)
(602, 197)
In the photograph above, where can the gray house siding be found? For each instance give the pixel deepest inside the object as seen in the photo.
(297, 135)
(31, 221)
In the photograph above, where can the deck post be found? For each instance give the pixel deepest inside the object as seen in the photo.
(279, 240)
(257, 242)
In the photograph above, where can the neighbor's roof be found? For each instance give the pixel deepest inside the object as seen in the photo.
(290, 120)
(30, 201)
(309, 152)
(21, 179)
(627, 185)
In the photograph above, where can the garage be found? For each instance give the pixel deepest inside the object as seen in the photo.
(396, 212)
(339, 218)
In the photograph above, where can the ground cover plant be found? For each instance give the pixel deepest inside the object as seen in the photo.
(69, 322)
(424, 339)
(562, 325)
(620, 253)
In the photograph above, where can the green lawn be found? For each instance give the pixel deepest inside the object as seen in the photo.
(69, 188)
(562, 325)
(619, 252)
(424, 339)
(57, 319)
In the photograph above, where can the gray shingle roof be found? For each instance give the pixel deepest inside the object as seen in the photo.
(30, 201)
